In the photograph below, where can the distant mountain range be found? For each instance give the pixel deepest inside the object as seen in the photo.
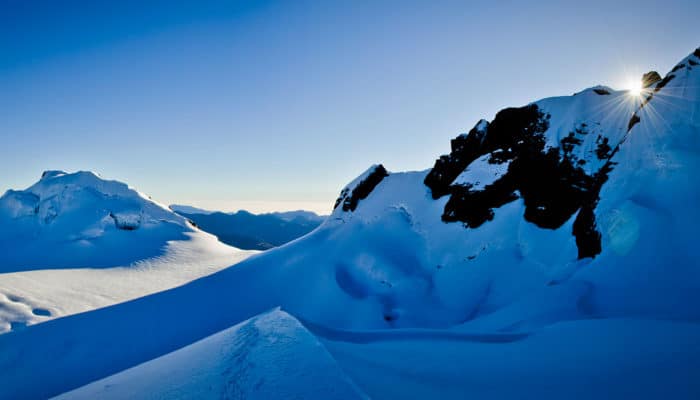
(249, 231)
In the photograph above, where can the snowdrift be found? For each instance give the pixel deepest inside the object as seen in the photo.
(267, 357)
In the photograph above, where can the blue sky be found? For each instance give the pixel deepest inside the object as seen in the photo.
(276, 105)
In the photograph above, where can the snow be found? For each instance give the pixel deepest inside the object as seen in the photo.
(66, 291)
(75, 242)
(178, 208)
(588, 116)
(266, 357)
(411, 307)
(617, 358)
(481, 173)
(81, 220)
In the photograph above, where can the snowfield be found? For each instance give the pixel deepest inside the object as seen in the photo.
(551, 254)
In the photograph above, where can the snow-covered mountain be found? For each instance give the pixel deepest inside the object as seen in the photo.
(73, 242)
(78, 220)
(550, 254)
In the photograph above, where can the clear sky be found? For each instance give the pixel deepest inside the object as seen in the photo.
(270, 105)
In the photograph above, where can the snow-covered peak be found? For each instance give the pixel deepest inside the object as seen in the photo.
(78, 217)
(52, 173)
(683, 79)
(530, 198)
(600, 90)
(54, 182)
(58, 193)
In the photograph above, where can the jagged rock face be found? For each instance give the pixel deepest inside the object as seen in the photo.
(633, 121)
(668, 78)
(513, 129)
(650, 78)
(549, 160)
(350, 200)
(465, 149)
(550, 181)
(552, 178)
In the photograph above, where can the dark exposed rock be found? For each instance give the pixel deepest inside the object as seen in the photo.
(510, 127)
(476, 207)
(633, 121)
(514, 127)
(585, 230)
(341, 197)
(364, 188)
(693, 63)
(550, 181)
(588, 239)
(569, 143)
(696, 53)
(677, 67)
(126, 222)
(650, 78)
(551, 188)
(603, 151)
(601, 91)
(664, 82)
(465, 149)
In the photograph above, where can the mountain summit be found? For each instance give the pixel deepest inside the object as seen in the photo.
(79, 219)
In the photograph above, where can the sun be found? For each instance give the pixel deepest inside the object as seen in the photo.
(634, 87)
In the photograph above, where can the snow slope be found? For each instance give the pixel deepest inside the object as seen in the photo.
(576, 266)
(75, 242)
(270, 356)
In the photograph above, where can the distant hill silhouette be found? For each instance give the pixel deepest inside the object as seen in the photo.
(249, 231)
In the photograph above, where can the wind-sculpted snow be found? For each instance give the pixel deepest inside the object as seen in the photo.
(266, 357)
(31, 297)
(411, 306)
